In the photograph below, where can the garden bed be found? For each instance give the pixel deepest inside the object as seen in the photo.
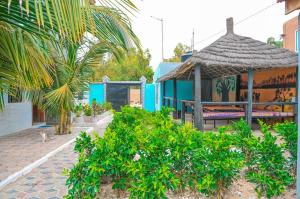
(240, 189)
(148, 155)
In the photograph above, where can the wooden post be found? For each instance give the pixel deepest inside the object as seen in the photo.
(175, 98)
(198, 112)
(143, 91)
(250, 94)
(182, 112)
(163, 93)
(105, 80)
(298, 111)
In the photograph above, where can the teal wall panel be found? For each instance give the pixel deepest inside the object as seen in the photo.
(150, 97)
(169, 88)
(184, 91)
(97, 92)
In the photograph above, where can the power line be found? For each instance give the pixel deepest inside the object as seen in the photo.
(239, 22)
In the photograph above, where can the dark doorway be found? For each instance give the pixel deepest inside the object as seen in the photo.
(121, 94)
(38, 115)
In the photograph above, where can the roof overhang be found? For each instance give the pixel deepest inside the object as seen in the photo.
(290, 5)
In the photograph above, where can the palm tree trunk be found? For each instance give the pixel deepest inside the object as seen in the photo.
(62, 121)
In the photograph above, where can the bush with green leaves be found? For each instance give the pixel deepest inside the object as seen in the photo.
(87, 110)
(288, 130)
(245, 139)
(148, 154)
(216, 163)
(78, 110)
(268, 169)
(107, 106)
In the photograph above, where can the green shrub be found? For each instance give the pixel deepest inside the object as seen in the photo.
(267, 165)
(288, 130)
(78, 110)
(148, 154)
(107, 106)
(88, 110)
(84, 179)
(245, 139)
(216, 163)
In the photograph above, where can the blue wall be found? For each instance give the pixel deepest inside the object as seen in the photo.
(150, 97)
(184, 91)
(97, 92)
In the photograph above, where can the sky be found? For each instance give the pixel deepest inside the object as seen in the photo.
(205, 17)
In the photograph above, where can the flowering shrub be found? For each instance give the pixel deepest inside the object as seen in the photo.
(148, 154)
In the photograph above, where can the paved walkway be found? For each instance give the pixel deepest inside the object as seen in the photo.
(47, 181)
(20, 149)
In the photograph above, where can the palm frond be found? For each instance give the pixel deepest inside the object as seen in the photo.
(60, 98)
(23, 60)
(69, 18)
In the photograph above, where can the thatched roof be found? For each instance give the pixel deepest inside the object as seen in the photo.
(233, 54)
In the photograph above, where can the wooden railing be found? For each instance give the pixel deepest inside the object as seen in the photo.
(167, 101)
(244, 104)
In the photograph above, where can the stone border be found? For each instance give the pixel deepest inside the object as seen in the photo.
(27, 169)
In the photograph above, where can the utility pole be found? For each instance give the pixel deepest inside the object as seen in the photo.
(162, 35)
(193, 41)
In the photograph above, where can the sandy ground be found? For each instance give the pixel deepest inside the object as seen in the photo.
(241, 189)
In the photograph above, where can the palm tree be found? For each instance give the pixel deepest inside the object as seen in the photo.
(40, 41)
(70, 73)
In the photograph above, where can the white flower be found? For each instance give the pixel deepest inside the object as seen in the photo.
(136, 157)
(168, 152)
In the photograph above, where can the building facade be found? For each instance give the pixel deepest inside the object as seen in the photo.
(290, 36)
(16, 116)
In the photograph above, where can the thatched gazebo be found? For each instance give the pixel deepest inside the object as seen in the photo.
(230, 55)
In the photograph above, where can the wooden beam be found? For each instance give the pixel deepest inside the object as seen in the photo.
(182, 112)
(250, 94)
(175, 115)
(198, 111)
(163, 93)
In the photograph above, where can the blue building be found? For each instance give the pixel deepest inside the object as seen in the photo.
(184, 87)
(151, 94)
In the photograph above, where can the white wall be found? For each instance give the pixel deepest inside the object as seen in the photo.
(15, 117)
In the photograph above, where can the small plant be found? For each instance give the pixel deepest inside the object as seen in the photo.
(78, 110)
(88, 111)
(107, 106)
(288, 130)
(268, 166)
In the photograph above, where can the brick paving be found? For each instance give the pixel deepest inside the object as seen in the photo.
(20, 149)
(47, 180)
